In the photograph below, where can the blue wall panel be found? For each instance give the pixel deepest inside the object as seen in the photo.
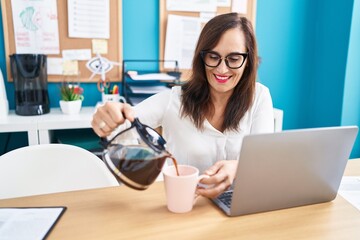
(281, 29)
(141, 29)
(351, 101)
(329, 61)
(304, 48)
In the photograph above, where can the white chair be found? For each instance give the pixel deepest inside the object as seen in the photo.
(49, 168)
(278, 119)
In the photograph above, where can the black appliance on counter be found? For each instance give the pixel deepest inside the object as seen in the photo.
(29, 72)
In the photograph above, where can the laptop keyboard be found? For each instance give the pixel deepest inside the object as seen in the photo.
(226, 198)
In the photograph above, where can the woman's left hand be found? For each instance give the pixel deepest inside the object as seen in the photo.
(221, 176)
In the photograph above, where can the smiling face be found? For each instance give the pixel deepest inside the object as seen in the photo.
(222, 79)
(216, 88)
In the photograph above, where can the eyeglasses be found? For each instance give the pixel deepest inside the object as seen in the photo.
(233, 60)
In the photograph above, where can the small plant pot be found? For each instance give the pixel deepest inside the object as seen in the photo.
(70, 107)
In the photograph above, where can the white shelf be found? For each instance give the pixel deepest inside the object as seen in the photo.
(16, 123)
(39, 127)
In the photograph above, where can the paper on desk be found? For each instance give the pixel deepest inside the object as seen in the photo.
(350, 190)
(27, 223)
(152, 76)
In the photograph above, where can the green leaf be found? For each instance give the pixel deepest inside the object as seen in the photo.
(68, 93)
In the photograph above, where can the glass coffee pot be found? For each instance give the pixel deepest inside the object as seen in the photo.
(135, 155)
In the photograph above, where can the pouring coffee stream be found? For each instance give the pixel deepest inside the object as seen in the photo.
(136, 155)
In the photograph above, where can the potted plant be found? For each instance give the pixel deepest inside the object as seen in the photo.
(71, 98)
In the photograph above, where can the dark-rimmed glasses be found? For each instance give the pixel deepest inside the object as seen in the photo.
(233, 60)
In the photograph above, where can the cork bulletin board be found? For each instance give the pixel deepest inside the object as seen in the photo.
(114, 43)
(250, 14)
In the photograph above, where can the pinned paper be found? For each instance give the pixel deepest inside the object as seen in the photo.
(239, 6)
(223, 3)
(76, 54)
(54, 66)
(206, 16)
(35, 26)
(100, 65)
(191, 5)
(99, 46)
(89, 19)
(182, 34)
(70, 67)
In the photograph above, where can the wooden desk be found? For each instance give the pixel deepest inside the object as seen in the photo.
(123, 213)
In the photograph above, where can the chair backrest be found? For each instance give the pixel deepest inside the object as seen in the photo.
(278, 119)
(49, 168)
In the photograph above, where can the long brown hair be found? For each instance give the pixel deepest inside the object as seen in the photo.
(196, 102)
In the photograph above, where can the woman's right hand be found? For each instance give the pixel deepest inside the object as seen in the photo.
(110, 115)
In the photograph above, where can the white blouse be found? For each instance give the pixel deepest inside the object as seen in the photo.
(202, 148)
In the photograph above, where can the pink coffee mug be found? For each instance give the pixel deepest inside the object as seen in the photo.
(180, 190)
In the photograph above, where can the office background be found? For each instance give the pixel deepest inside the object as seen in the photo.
(310, 59)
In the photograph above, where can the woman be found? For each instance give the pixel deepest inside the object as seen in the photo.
(205, 120)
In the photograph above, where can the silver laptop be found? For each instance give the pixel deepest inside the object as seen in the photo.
(288, 169)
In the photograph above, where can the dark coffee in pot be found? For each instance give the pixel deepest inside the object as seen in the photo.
(136, 166)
